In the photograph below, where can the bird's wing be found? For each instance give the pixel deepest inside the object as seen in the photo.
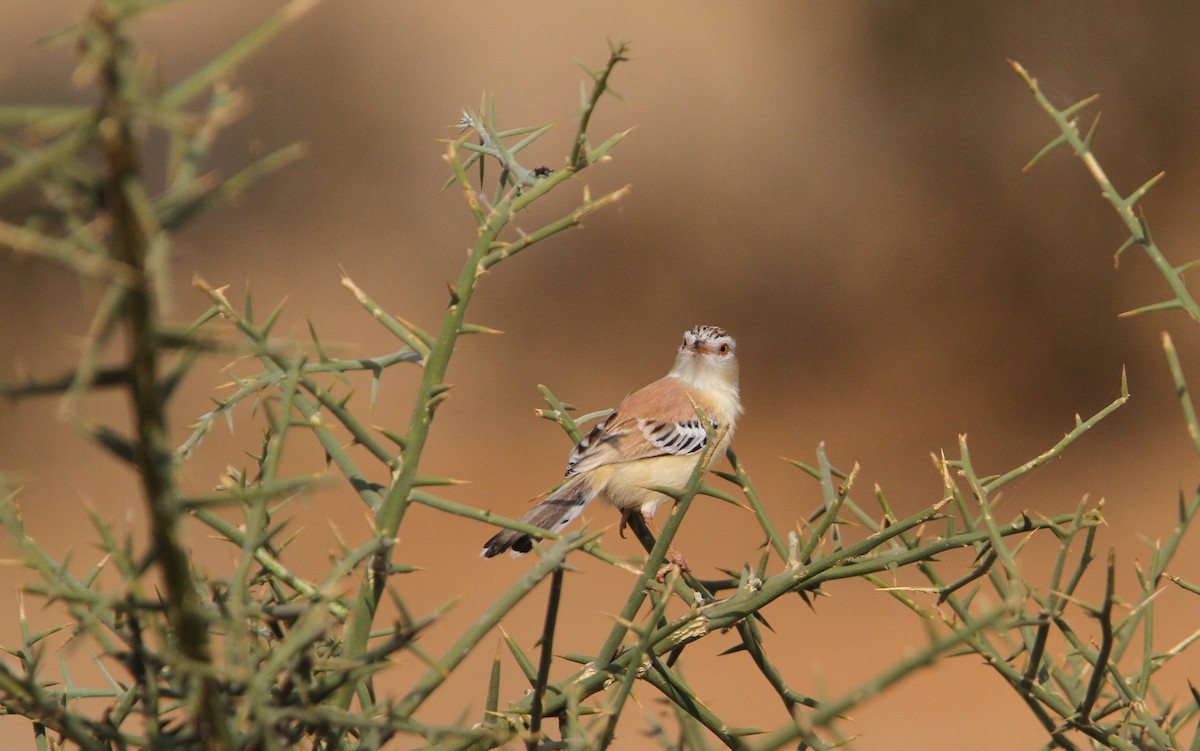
(658, 420)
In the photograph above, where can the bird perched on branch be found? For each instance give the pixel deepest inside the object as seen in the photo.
(654, 437)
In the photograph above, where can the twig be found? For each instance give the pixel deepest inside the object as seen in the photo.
(543, 674)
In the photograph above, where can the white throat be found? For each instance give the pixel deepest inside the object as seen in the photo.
(718, 380)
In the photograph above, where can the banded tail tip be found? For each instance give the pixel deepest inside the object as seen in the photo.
(553, 513)
(507, 539)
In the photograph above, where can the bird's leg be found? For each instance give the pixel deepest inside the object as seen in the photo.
(625, 513)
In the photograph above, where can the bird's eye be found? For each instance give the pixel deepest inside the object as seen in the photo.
(723, 349)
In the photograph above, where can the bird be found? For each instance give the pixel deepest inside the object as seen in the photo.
(653, 438)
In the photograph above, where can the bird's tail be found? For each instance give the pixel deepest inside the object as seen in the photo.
(555, 512)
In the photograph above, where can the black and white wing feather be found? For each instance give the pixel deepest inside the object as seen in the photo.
(617, 440)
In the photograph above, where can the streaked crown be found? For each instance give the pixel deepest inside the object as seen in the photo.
(708, 340)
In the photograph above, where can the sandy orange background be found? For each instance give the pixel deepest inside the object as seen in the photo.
(838, 185)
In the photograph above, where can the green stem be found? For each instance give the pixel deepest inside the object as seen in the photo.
(543, 673)
(458, 651)
(152, 450)
(655, 558)
(636, 657)
(578, 158)
(486, 251)
(1124, 205)
(391, 511)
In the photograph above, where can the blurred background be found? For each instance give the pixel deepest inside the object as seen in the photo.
(837, 185)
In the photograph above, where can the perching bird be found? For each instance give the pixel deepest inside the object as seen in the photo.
(652, 438)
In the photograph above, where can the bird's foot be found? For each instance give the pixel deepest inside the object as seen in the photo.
(675, 560)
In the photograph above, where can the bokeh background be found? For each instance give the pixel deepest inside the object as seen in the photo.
(838, 185)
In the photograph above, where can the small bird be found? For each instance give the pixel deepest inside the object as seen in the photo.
(653, 437)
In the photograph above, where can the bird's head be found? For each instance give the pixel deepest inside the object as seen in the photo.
(707, 351)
